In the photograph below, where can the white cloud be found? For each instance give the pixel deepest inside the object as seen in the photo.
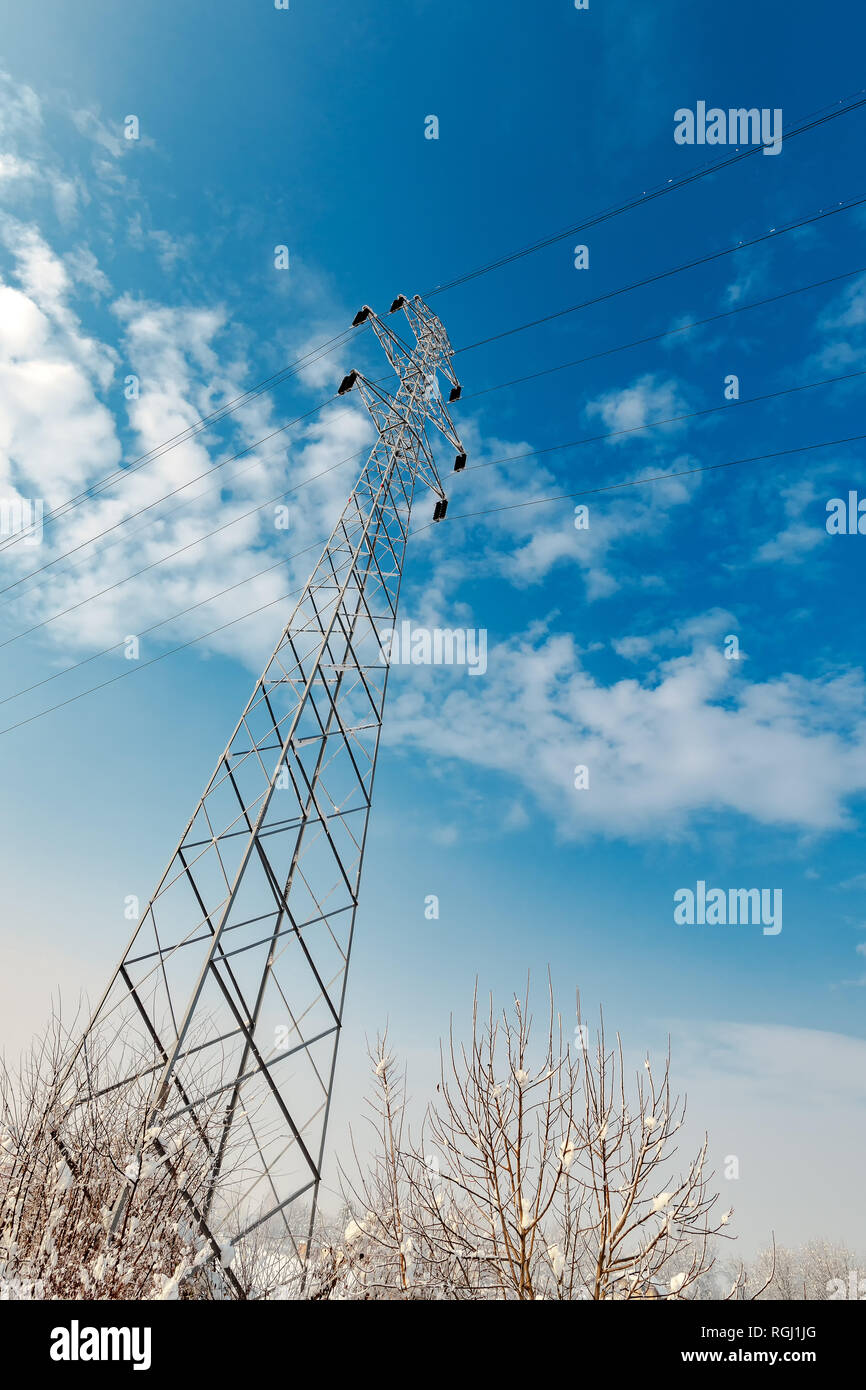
(843, 324)
(20, 109)
(169, 249)
(13, 169)
(53, 428)
(83, 269)
(745, 284)
(65, 424)
(798, 498)
(849, 310)
(108, 136)
(630, 408)
(26, 166)
(173, 352)
(188, 364)
(522, 539)
(705, 628)
(541, 544)
(58, 437)
(692, 738)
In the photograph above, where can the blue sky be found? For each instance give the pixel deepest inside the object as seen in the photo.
(156, 257)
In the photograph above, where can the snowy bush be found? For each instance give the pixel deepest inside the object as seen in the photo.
(63, 1164)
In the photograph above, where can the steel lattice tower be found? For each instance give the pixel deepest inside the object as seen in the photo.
(250, 928)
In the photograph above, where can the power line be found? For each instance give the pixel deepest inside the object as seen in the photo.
(668, 420)
(330, 345)
(668, 333)
(665, 274)
(510, 458)
(575, 362)
(671, 186)
(460, 516)
(323, 349)
(660, 275)
(106, 651)
(204, 422)
(174, 553)
(121, 540)
(657, 478)
(31, 574)
(152, 662)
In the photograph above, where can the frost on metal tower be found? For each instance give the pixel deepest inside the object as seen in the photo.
(230, 994)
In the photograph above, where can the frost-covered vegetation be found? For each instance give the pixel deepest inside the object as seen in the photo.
(62, 1167)
(540, 1169)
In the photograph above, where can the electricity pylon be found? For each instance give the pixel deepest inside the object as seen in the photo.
(230, 994)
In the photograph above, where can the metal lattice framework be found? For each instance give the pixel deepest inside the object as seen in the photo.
(230, 994)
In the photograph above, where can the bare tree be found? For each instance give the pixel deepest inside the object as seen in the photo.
(377, 1256)
(497, 1179)
(650, 1225)
(538, 1174)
